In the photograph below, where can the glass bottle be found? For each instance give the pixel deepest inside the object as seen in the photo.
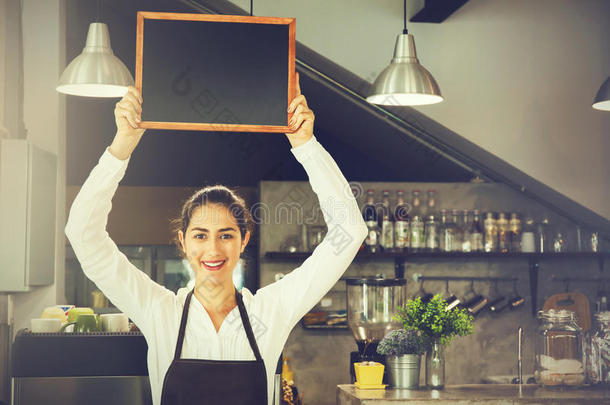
(503, 233)
(476, 233)
(447, 233)
(435, 365)
(491, 233)
(560, 357)
(430, 204)
(356, 194)
(431, 231)
(542, 236)
(559, 243)
(416, 226)
(594, 242)
(369, 213)
(466, 226)
(459, 231)
(515, 232)
(598, 351)
(401, 222)
(386, 239)
(287, 373)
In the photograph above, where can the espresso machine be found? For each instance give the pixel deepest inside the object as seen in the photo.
(371, 305)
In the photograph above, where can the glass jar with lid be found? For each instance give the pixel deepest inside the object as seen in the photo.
(559, 349)
(598, 350)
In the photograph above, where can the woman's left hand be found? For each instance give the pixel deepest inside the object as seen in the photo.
(302, 120)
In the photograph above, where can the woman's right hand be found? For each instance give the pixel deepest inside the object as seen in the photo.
(127, 115)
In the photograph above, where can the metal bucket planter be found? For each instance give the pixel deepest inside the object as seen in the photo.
(403, 371)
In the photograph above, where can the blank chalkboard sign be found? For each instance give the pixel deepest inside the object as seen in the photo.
(215, 72)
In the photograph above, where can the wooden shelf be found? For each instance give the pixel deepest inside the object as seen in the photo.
(449, 255)
(400, 258)
(321, 327)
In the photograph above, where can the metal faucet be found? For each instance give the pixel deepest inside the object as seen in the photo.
(519, 379)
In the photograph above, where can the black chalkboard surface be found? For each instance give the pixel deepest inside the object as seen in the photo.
(215, 73)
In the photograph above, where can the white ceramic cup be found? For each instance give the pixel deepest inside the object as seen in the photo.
(45, 325)
(115, 323)
(528, 243)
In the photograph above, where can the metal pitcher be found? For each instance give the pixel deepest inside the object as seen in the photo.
(403, 371)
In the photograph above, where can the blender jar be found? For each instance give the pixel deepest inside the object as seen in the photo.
(371, 305)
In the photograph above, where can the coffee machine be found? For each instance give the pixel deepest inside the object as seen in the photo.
(371, 306)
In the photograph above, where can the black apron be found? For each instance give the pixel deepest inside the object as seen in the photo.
(215, 382)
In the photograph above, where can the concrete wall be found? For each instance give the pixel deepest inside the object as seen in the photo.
(518, 76)
(320, 359)
(44, 119)
(9, 117)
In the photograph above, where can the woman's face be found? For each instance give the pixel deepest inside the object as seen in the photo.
(212, 243)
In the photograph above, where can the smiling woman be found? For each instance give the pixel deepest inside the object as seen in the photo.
(221, 347)
(211, 233)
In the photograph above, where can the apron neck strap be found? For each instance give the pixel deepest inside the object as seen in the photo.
(244, 319)
(185, 312)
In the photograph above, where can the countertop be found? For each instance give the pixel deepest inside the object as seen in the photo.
(475, 394)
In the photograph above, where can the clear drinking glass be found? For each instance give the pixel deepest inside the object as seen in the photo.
(316, 235)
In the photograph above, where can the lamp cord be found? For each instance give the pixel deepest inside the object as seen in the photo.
(97, 17)
(404, 10)
(251, 1)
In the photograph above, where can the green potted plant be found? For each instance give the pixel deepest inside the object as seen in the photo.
(438, 326)
(403, 350)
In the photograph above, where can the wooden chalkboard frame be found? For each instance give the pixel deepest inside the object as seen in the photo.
(290, 22)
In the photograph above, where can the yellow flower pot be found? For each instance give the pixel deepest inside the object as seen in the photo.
(369, 373)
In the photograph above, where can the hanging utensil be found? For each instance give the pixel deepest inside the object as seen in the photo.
(477, 303)
(421, 293)
(499, 302)
(452, 301)
(517, 301)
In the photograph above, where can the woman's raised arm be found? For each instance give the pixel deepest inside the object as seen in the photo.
(302, 288)
(127, 115)
(130, 289)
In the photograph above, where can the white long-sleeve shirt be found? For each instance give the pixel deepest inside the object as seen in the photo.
(273, 310)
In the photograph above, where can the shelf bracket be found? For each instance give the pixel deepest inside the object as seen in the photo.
(399, 267)
(534, 267)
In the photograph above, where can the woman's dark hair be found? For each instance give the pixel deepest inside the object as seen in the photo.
(220, 195)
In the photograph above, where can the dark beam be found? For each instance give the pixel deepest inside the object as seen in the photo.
(437, 11)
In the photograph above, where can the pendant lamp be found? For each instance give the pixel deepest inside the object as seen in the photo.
(405, 82)
(602, 99)
(96, 72)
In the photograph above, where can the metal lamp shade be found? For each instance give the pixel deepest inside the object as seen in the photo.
(96, 72)
(405, 81)
(602, 99)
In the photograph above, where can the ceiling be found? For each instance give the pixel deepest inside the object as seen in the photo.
(369, 143)
(437, 11)
(362, 144)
